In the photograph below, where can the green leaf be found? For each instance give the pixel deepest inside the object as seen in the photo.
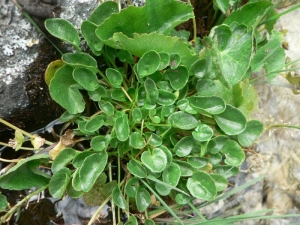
(63, 30)
(99, 143)
(132, 221)
(206, 87)
(271, 55)
(140, 44)
(186, 169)
(118, 95)
(198, 69)
(137, 114)
(222, 5)
(233, 48)
(136, 140)
(149, 222)
(131, 187)
(148, 63)
(172, 174)
(212, 105)
(151, 91)
(184, 146)
(156, 16)
(86, 78)
(3, 202)
(166, 98)
(94, 124)
(202, 186)
(253, 130)
(122, 127)
(143, 199)
(118, 198)
(231, 121)
(88, 30)
(162, 189)
(226, 171)
(203, 132)
(63, 90)
(97, 94)
(178, 77)
(80, 60)
(125, 56)
(153, 139)
(182, 120)
(164, 60)
(156, 161)
(234, 153)
(136, 169)
(197, 162)
(80, 157)
(175, 60)
(220, 182)
(168, 154)
(250, 14)
(25, 174)
(63, 158)
(59, 182)
(19, 138)
(184, 106)
(91, 168)
(114, 77)
(103, 11)
(106, 107)
(72, 192)
(216, 144)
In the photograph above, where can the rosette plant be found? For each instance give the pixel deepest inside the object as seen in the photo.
(162, 119)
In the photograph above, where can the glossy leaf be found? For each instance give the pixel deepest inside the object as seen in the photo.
(162, 189)
(132, 221)
(88, 30)
(122, 127)
(106, 107)
(198, 69)
(125, 56)
(99, 143)
(202, 186)
(178, 77)
(253, 130)
(72, 192)
(153, 139)
(184, 146)
(63, 30)
(165, 98)
(136, 140)
(212, 105)
(80, 60)
(98, 93)
(143, 199)
(234, 153)
(151, 91)
(216, 144)
(175, 60)
(51, 70)
(63, 158)
(220, 181)
(63, 90)
(136, 169)
(226, 171)
(114, 77)
(59, 182)
(94, 123)
(156, 161)
(91, 168)
(80, 157)
(168, 154)
(182, 121)
(86, 78)
(103, 11)
(184, 106)
(131, 187)
(203, 132)
(206, 87)
(137, 114)
(233, 47)
(164, 60)
(231, 121)
(148, 63)
(186, 169)
(172, 174)
(118, 198)
(197, 162)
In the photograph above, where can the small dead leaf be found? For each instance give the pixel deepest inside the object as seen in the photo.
(37, 142)
(66, 140)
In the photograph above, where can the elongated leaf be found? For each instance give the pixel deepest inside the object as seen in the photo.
(63, 90)
(88, 32)
(231, 121)
(151, 91)
(142, 199)
(184, 146)
(63, 30)
(114, 77)
(136, 169)
(253, 129)
(220, 181)
(211, 105)
(91, 168)
(63, 158)
(99, 143)
(80, 60)
(94, 123)
(172, 174)
(59, 182)
(182, 120)
(122, 127)
(118, 198)
(202, 186)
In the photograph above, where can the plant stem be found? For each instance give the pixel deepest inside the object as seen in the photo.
(194, 26)
(282, 126)
(112, 202)
(94, 217)
(15, 208)
(22, 148)
(162, 202)
(22, 131)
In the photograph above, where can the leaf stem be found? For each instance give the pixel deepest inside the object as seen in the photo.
(162, 202)
(94, 217)
(194, 26)
(15, 208)
(22, 148)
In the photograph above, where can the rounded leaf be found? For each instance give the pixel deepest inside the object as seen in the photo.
(131, 186)
(156, 161)
(172, 174)
(211, 105)
(151, 91)
(166, 98)
(106, 107)
(175, 60)
(88, 32)
(99, 143)
(114, 77)
(153, 139)
(231, 121)
(63, 30)
(203, 132)
(186, 169)
(142, 199)
(148, 63)
(198, 68)
(220, 181)
(80, 60)
(206, 87)
(136, 169)
(122, 127)
(164, 60)
(86, 78)
(136, 140)
(103, 11)
(197, 162)
(234, 153)
(184, 146)
(118, 198)
(226, 171)
(63, 158)
(51, 69)
(136, 114)
(216, 144)
(202, 186)
(94, 123)
(97, 94)
(178, 77)
(182, 121)
(253, 129)
(59, 182)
